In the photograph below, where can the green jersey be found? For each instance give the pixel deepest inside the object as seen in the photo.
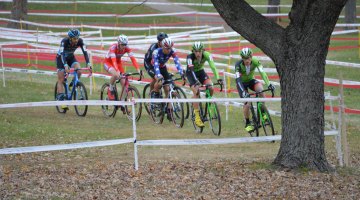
(198, 65)
(246, 73)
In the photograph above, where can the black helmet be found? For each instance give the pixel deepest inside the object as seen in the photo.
(161, 36)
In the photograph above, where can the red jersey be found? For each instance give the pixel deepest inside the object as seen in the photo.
(113, 57)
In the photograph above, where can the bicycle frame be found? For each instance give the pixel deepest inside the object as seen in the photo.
(258, 119)
(75, 81)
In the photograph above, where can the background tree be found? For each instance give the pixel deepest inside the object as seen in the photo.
(299, 52)
(18, 12)
(274, 8)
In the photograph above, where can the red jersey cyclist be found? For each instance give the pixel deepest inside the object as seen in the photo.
(113, 64)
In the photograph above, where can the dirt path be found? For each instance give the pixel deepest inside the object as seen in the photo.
(204, 20)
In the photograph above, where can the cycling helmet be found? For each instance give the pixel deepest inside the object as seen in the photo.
(246, 53)
(161, 36)
(74, 33)
(167, 43)
(198, 46)
(122, 39)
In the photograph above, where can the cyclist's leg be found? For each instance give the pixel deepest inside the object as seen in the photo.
(60, 75)
(246, 110)
(205, 79)
(73, 63)
(196, 94)
(114, 75)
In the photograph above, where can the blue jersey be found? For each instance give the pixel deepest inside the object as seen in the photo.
(159, 60)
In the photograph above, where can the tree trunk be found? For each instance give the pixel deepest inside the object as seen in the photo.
(299, 52)
(274, 9)
(18, 12)
(350, 13)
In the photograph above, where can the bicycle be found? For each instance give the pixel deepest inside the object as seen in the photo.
(158, 110)
(208, 112)
(78, 92)
(261, 117)
(128, 93)
(147, 92)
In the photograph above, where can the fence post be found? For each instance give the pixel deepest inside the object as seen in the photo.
(2, 65)
(136, 162)
(226, 103)
(342, 124)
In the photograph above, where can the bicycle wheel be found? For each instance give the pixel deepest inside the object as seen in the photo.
(108, 110)
(266, 122)
(177, 111)
(214, 118)
(254, 121)
(146, 95)
(156, 112)
(133, 93)
(197, 129)
(80, 94)
(58, 108)
(183, 96)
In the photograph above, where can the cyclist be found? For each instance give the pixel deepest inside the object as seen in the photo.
(159, 58)
(65, 59)
(244, 73)
(196, 74)
(113, 64)
(148, 57)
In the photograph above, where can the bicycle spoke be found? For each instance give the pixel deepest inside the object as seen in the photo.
(108, 110)
(177, 111)
(80, 94)
(214, 118)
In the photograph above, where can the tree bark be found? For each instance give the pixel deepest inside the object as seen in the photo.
(350, 13)
(274, 9)
(299, 52)
(18, 12)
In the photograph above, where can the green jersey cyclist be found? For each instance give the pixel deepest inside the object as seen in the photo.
(244, 74)
(196, 74)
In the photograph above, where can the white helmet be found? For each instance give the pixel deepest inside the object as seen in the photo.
(167, 43)
(122, 39)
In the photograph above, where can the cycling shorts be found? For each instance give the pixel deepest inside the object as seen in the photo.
(200, 75)
(71, 61)
(251, 84)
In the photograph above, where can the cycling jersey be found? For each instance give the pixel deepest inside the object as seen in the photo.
(113, 58)
(246, 74)
(148, 55)
(159, 60)
(194, 64)
(66, 51)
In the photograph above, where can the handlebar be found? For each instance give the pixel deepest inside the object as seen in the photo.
(171, 79)
(72, 70)
(124, 75)
(209, 85)
(257, 93)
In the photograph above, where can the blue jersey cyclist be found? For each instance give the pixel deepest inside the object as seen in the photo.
(244, 73)
(65, 59)
(148, 57)
(159, 58)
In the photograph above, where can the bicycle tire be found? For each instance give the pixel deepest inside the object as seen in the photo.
(133, 93)
(267, 124)
(157, 111)
(146, 95)
(197, 129)
(214, 118)
(183, 96)
(80, 93)
(254, 121)
(177, 112)
(108, 110)
(58, 108)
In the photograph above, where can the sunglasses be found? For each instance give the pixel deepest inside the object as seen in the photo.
(124, 45)
(245, 57)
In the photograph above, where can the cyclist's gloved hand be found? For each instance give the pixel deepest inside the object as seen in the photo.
(271, 87)
(220, 81)
(244, 94)
(159, 76)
